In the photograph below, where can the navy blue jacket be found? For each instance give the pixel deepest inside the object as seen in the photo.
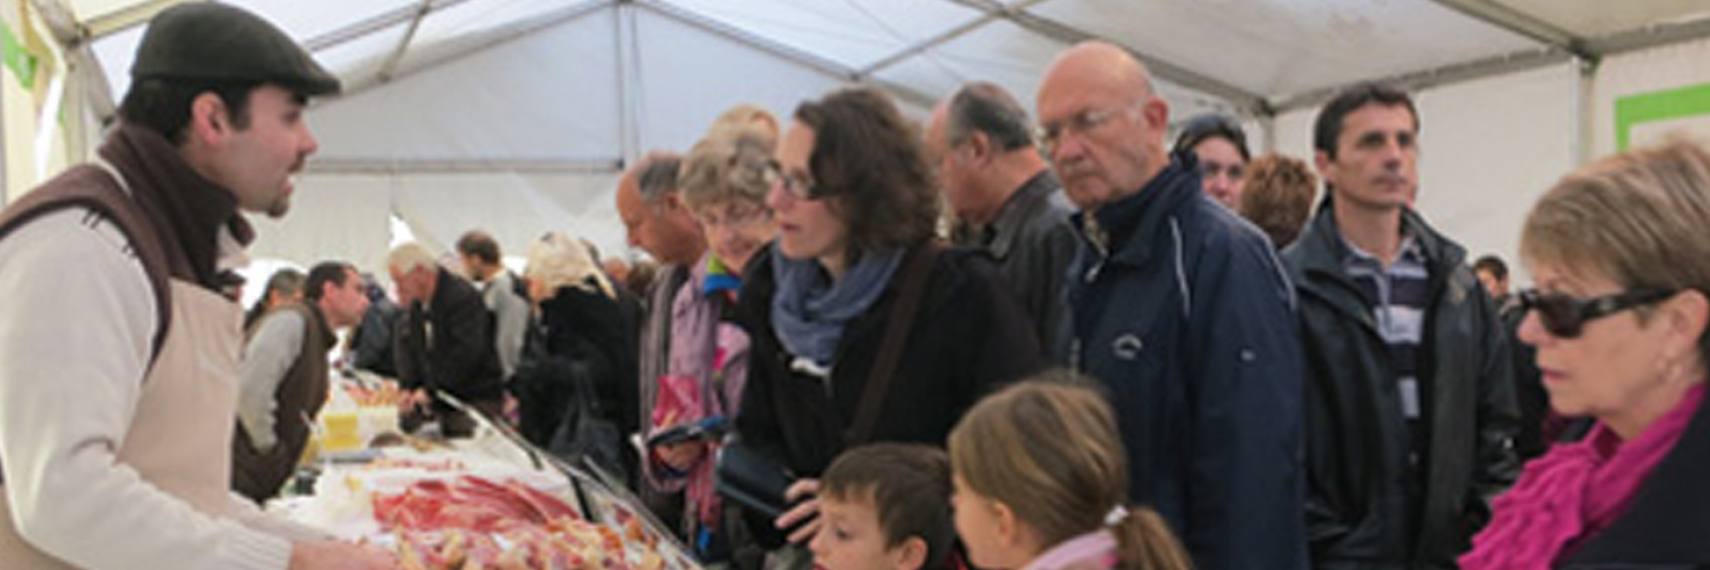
(1188, 319)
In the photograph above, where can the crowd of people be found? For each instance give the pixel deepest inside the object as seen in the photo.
(997, 341)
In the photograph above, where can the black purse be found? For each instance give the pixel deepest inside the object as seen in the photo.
(752, 479)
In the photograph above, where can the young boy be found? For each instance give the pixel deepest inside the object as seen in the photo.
(886, 507)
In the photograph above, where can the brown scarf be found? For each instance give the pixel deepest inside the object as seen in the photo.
(186, 208)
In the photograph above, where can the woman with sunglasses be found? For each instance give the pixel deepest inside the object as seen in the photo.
(856, 211)
(1621, 256)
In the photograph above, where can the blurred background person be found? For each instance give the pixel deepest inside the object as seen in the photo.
(371, 342)
(1278, 197)
(456, 357)
(572, 384)
(283, 378)
(1622, 264)
(284, 286)
(1013, 207)
(1221, 147)
(503, 293)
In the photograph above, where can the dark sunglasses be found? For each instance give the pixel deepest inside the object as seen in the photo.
(1564, 316)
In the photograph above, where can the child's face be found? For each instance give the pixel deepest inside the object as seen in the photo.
(851, 539)
(977, 524)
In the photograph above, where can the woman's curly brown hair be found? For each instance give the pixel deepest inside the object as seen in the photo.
(1278, 196)
(868, 161)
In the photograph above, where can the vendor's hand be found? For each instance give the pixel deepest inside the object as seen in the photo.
(331, 555)
(808, 510)
(681, 456)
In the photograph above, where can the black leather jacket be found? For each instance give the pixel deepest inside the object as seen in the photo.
(1361, 509)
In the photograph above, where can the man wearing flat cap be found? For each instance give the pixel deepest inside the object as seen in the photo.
(118, 375)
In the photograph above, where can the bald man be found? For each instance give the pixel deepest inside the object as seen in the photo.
(1181, 309)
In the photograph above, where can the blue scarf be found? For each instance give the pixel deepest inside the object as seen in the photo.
(809, 310)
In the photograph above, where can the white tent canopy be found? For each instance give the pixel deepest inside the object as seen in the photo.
(516, 115)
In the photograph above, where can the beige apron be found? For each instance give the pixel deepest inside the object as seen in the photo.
(180, 438)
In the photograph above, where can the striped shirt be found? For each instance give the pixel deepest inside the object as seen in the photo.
(1398, 296)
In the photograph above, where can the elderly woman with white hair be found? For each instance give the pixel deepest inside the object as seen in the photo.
(572, 395)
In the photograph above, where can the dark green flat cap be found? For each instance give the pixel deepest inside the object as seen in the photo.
(209, 41)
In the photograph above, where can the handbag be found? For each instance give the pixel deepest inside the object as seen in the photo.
(752, 478)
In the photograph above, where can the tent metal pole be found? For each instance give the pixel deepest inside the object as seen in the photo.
(817, 63)
(505, 35)
(1246, 100)
(924, 45)
(629, 84)
(1457, 73)
(377, 23)
(1521, 23)
(1651, 36)
(1584, 110)
(397, 55)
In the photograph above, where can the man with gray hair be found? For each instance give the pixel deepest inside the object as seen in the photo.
(658, 223)
(1007, 200)
(443, 342)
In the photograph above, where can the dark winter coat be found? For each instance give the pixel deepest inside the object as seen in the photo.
(1182, 310)
(1360, 510)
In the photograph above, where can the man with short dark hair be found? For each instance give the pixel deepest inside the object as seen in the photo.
(503, 294)
(118, 372)
(1493, 274)
(1409, 398)
(1181, 310)
(283, 377)
(997, 184)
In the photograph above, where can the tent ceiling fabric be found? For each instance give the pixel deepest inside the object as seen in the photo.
(523, 110)
(1595, 18)
(1273, 50)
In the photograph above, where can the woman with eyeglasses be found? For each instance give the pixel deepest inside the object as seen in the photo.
(1621, 255)
(856, 266)
(723, 182)
(1221, 148)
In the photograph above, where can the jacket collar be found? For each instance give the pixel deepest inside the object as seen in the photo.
(1323, 250)
(1320, 250)
(1119, 229)
(1033, 197)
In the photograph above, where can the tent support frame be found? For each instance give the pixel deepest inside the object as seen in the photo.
(817, 63)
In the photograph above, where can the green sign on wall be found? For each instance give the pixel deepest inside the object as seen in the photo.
(16, 58)
(1633, 110)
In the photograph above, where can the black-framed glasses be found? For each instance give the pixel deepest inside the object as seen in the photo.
(1564, 316)
(798, 187)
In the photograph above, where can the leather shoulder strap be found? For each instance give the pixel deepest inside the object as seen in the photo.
(93, 188)
(916, 268)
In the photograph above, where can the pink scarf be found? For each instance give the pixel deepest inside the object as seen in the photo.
(1574, 492)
